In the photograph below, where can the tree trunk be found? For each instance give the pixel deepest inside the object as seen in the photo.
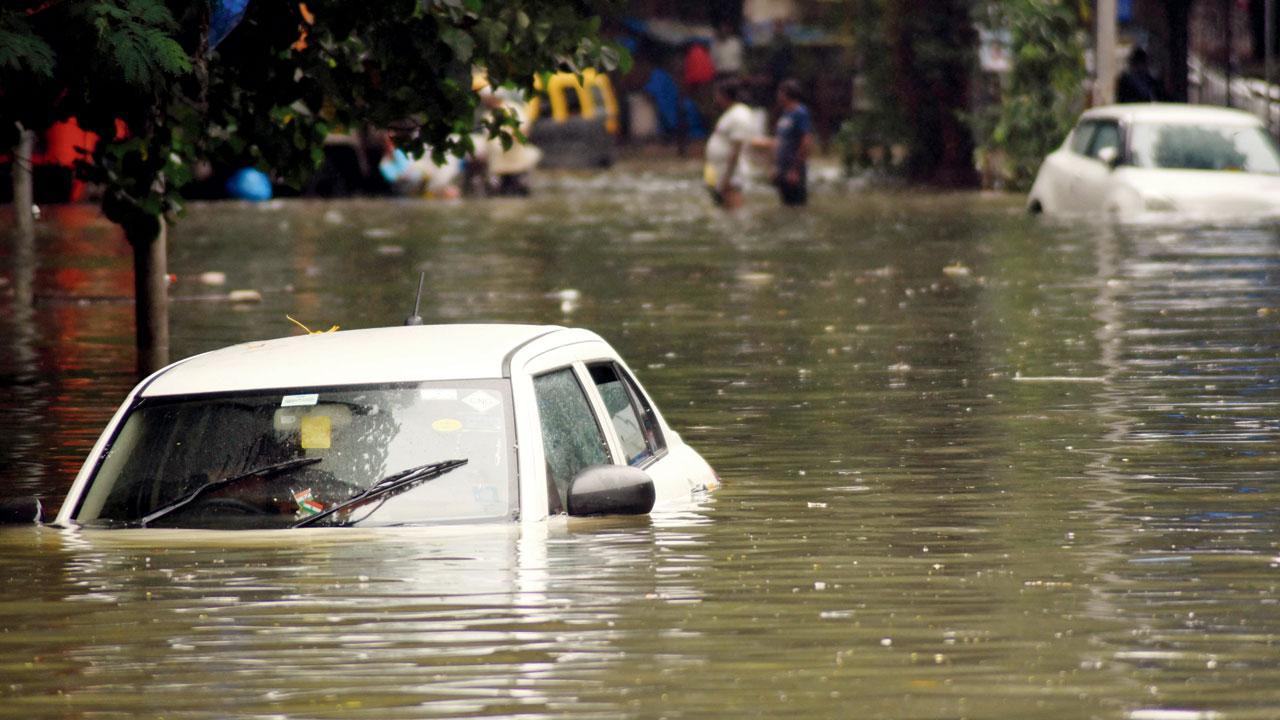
(1179, 18)
(931, 56)
(150, 293)
(23, 190)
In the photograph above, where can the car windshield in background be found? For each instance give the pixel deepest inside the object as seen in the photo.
(275, 458)
(1240, 148)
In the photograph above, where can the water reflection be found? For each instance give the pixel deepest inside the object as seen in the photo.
(386, 624)
(976, 465)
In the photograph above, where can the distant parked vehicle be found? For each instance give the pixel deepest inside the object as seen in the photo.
(574, 120)
(1153, 162)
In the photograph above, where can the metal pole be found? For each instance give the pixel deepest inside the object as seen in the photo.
(1229, 40)
(23, 194)
(1269, 37)
(1104, 91)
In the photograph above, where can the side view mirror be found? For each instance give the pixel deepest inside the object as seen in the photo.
(21, 511)
(1110, 156)
(611, 490)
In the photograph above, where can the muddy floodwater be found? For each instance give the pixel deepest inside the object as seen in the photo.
(975, 465)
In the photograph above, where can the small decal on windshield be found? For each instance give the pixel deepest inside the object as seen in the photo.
(317, 432)
(307, 504)
(446, 425)
(482, 401)
(300, 400)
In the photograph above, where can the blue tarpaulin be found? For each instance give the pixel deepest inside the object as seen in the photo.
(227, 14)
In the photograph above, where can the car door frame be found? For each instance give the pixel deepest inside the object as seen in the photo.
(665, 467)
(1066, 165)
(674, 472)
(1094, 186)
(534, 504)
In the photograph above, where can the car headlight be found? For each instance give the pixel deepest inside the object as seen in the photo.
(1159, 203)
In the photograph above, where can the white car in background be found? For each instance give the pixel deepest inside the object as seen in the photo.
(418, 425)
(1154, 162)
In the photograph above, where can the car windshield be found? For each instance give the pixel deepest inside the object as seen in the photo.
(275, 458)
(1240, 148)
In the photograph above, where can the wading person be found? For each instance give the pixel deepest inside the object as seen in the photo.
(792, 141)
(725, 168)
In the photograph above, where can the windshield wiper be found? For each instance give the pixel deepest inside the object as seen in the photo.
(388, 486)
(263, 472)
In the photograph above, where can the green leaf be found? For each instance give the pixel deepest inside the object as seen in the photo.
(21, 49)
(460, 43)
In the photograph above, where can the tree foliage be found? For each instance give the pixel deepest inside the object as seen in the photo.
(933, 56)
(914, 67)
(280, 82)
(21, 50)
(1044, 92)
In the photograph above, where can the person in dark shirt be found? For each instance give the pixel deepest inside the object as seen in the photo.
(1136, 84)
(794, 138)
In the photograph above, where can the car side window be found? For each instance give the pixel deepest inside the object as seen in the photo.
(630, 413)
(1106, 136)
(571, 438)
(1081, 137)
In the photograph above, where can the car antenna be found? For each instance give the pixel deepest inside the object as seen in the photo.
(415, 318)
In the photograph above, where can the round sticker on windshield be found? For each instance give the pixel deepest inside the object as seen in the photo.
(446, 425)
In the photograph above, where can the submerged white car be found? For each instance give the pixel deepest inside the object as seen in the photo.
(387, 426)
(1151, 162)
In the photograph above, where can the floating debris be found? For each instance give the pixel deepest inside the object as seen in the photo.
(1161, 714)
(1019, 377)
(756, 278)
(244, 296)
(568, 298)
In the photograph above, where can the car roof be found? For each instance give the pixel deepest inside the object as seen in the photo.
(351, 357)
(1172, 113)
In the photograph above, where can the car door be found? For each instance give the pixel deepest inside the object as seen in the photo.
(1094, 174)
(638, 435)
(1064, 167)
(642, 439)
(571, 434)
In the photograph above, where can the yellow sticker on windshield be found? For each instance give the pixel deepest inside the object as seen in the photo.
(316, 432)
(446, 425)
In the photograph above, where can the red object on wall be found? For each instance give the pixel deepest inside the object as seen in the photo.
(699, 69)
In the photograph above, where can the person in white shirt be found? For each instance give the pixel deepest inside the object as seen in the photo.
(725, 170)
(726, 51)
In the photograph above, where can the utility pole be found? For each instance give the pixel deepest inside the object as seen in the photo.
(1104, 88)
(1269, 37)
(23, 195)
(1228, 7)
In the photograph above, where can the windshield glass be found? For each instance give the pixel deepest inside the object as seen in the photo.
(1204, 147)
(344, 439)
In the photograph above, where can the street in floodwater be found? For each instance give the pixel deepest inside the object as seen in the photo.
(976, 465)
